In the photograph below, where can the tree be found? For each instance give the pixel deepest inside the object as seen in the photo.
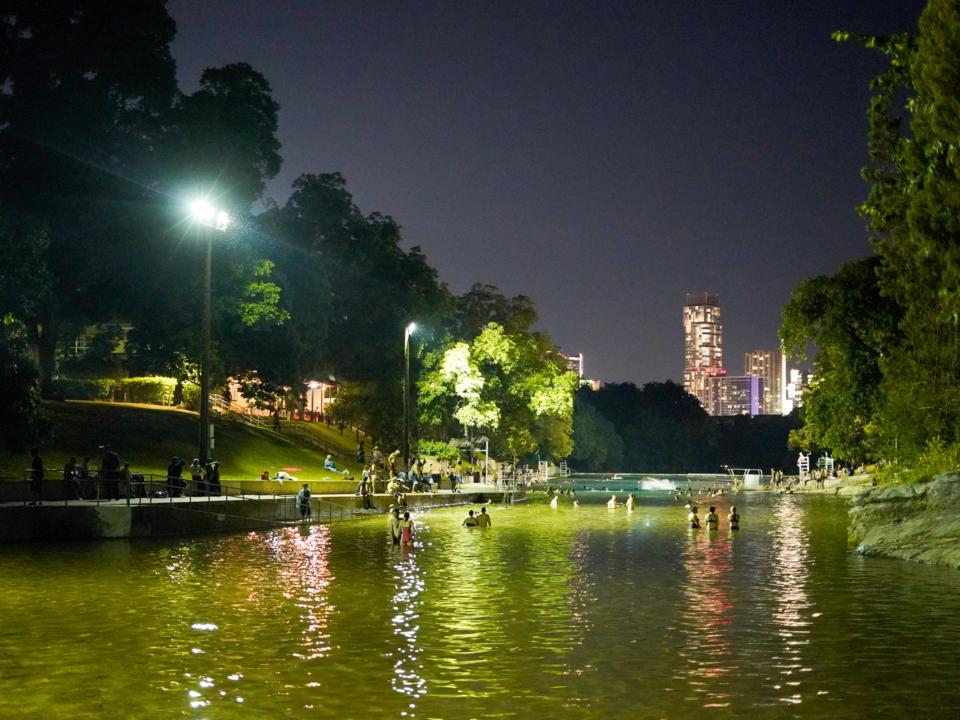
(20, 421)
(854, 327)
(88, 85)
(512, 387)
(597, 446)
(662, 427)
(219, 142)
(913, 210)
(484, 304)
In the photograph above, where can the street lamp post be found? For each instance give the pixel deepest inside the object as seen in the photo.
(208, 218)
(407, 332)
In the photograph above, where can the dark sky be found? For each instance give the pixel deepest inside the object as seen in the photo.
(604, 158)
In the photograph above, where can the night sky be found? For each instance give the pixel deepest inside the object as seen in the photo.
(604, 158)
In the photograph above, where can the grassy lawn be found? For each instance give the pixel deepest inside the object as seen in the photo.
(148, 436)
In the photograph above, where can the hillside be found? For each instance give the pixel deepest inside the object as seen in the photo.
(147, 436)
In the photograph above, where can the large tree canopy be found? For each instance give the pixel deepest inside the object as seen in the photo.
(889, 362)
(511, 387)
(853, 328)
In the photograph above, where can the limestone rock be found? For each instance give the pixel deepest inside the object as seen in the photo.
(919, 522)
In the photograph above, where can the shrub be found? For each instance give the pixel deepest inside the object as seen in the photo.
(151, 390)
(937, 458)
(91, 389)
(191, 396)
(440, 450)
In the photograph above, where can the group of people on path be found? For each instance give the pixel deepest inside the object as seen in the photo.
(113, 478)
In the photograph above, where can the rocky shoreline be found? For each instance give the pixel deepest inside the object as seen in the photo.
(918, 522)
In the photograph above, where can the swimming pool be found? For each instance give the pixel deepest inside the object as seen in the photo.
(578, 612)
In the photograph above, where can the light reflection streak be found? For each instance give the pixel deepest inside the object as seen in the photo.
(790, 576)
(295, 563)
(409, 586)
(303, 569)
(706, 616)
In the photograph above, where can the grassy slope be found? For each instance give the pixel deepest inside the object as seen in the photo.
(148, 436)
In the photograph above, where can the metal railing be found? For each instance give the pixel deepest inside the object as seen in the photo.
(150, 488)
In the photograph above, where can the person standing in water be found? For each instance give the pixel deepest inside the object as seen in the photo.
(395, 526)
(483, 520)
(406, 530)
(693, 519)
(734, 518)
(713, 520)
(469, 520)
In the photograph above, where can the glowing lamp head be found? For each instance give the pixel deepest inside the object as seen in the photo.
(202, 211)
(206, 214)
(411, 328)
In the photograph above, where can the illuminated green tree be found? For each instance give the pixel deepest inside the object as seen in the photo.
(512, 387)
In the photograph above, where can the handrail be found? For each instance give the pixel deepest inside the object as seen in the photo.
(153, 488)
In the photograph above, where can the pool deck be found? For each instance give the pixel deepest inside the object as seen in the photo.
(164, 516)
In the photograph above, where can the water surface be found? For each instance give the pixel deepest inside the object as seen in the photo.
(578, 612)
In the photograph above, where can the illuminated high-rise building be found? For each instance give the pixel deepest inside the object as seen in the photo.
(768, 364)
(703, 347)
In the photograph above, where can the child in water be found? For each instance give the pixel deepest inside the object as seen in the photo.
(734, 518)
(612, 502)
(406, 530)
(693, 519)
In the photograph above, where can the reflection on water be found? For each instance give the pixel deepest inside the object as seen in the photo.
(790, 572)
(409, 584)
(572, 613)
(705, 616)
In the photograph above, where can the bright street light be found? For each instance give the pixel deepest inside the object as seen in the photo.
(206, 214)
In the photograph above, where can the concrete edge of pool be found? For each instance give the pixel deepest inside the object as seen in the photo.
(197, 516)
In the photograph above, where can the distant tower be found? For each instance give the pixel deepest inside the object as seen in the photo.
(767, 364)
(703, 348)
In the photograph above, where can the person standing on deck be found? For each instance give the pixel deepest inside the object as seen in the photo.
(36, 477)
(303, 501)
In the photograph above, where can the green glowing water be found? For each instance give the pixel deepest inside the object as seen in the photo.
(578, 612)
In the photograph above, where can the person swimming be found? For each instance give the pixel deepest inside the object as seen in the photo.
(713, 520)
(693, 519)
(631, 499)
(612, 502)
(734, 518)
(554, 502)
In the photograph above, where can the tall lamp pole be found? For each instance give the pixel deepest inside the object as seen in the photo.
(208, 218)
(407, 332)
